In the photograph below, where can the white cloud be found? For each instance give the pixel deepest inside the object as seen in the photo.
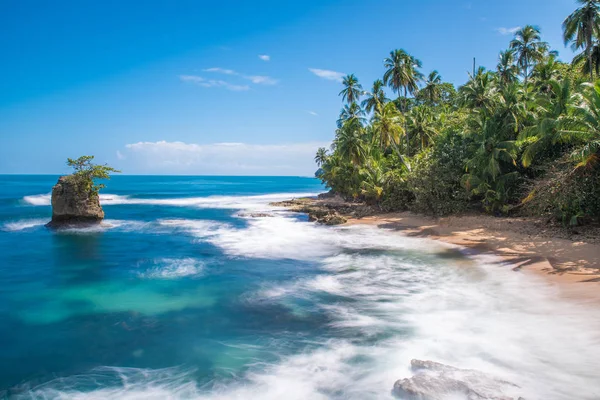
(313, 113)
(191, 78)
(264, 57)
(164, 157)
(327, 74)
(508, 31)
(221, 71)
(256, 79)
(261, 80)
(120, 155)
(200, 81)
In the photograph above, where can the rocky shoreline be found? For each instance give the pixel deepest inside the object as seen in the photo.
(327, 209)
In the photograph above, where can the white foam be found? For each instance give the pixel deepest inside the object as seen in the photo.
(224, 202)
(173, 268)
(23, 224)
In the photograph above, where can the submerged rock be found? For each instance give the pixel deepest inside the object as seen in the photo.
(74, 203)
(435, 381)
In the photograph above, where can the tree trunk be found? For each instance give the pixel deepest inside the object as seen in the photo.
(405, 124)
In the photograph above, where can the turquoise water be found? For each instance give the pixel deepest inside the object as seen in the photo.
(181, 293)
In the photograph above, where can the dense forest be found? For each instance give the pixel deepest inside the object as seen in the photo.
(522, 139)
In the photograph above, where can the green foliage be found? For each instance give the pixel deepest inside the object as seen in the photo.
(524, 137)
(86, 173)
(435, 179)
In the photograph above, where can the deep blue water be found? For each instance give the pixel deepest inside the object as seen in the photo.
(181, 293)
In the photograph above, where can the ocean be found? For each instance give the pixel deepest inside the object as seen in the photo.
(182, 294)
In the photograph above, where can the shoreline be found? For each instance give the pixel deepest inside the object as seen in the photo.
(526, 245)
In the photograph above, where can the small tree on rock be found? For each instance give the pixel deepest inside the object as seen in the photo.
(86, 173)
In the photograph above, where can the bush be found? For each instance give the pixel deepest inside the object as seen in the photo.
(435, 178)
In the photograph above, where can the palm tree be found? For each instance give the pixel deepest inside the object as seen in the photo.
(582, 26)
(402, 72)
(349, 144)
(321, 156)
(352, 89)
(548, 129)
(529, 48)
(589, 63)
(352, 114)
(433, 89)
(585, 127)
(507, 70)
(387, 124)
(479, 91)
(421, 125)
(375, 98)
(487, 171)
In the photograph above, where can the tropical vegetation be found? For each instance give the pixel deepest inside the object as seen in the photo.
(86, 173)
(523, 138)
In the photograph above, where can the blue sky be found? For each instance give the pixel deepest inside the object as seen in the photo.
(228, 87)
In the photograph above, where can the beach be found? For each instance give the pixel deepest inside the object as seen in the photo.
(569, 258)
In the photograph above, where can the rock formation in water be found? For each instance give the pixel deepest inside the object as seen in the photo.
(435, 381)
(74, 202)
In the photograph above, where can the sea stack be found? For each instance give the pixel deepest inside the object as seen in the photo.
(74, 202)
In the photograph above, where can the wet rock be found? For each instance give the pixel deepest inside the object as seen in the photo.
(73, 203)
(255, 215)
(435, 381)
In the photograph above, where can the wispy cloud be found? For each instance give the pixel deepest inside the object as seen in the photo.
(313, 113)
(222, 158)
(120, 155)
(327, 74)
(508, 31)
(200, 81)
(221, 71)
(256, 79)
(265, 57)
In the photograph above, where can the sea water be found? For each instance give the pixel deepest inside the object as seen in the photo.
(182, 294)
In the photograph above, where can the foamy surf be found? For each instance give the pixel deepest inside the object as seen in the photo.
(218, 202)
(170, 268)
(23, 224)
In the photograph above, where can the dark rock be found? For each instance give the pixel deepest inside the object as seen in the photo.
(435, 381)
(74, 203)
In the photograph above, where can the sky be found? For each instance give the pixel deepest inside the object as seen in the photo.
(221, 88)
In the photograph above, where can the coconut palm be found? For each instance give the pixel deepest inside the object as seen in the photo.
(421, 124)
(506, 68)
(582, 26)
(349, 144)
(352, 89)
(585, 127)
(479, 92)
(433, 87)
(375, 98)
(321, 156)
(529, 48)
(589, 63)
(402, 72)
(387, 124)
(552, 118)
(352, 114)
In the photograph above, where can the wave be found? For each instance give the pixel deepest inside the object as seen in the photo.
(23, 224)
(170, 268)
(396, 298)
(223, 202)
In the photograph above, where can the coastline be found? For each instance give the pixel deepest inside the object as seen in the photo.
(570, 261)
